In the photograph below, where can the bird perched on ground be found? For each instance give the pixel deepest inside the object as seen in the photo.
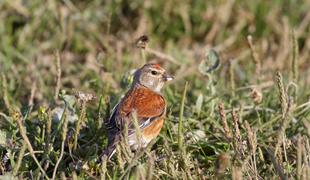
(144, 103)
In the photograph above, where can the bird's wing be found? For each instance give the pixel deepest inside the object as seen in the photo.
(143, 103)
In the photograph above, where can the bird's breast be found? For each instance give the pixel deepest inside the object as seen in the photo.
(153, 130)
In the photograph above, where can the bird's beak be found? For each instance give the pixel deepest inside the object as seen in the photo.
(167, 77)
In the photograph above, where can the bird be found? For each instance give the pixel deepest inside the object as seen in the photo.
(144, 102)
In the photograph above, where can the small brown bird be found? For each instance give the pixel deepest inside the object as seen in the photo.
(144, 102)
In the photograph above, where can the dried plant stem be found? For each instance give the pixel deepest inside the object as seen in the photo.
(20, 158)
(119, 158)
(58, 80)
(138, 132)
(282, 93)
(125, 142)
(295, 57)
(277, 166)
(136, 158)
(299, 157)
(5, 93)
(286, 108)
(143, 55)
(180, 126)
(181, 145)
(63, 139)
(252, 143)
(48, 131)
(49, 127)
(306, 158)
(232, 78)
(236, 173)
(150, 167)
(79, 123)
(255, 56)
(103, 168)
(23, 133)
(32, 94)
(226, 128)
(237, 135)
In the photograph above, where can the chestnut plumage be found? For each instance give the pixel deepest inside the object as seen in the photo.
(145, 103)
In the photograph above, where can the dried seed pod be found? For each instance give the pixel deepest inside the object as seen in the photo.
(256, 95)
(142, 42)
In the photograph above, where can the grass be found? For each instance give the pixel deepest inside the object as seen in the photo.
(65, 64)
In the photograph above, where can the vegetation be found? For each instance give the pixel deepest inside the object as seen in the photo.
(64, 65)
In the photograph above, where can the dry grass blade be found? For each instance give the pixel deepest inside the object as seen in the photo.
(236, 173)
(79, 123)
(282, 93)
(20, 158)
(226, 128)
(58, 80)
(252, 143)
(255, 56)
(180, 125)
(232, 77)
(300, 149)
(63, 139)
(237, 135)
(182, 146)
(295, 57)
(150, 167)
(5, 93)
(17, 117)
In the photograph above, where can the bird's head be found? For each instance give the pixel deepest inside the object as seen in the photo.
(152, 76)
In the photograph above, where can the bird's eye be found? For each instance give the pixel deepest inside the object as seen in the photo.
(154, 72)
